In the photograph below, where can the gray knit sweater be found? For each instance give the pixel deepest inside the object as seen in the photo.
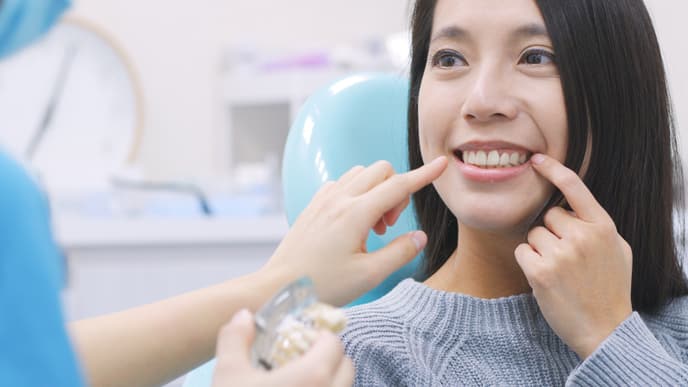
(418, 336)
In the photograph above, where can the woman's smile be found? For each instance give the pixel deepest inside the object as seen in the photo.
(486, 174)
(491, 161)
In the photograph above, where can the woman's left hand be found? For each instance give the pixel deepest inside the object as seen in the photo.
(578, 266)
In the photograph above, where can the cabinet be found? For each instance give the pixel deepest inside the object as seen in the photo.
(259, 110)
(118, 264)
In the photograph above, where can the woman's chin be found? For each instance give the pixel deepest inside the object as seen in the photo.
(496, 221)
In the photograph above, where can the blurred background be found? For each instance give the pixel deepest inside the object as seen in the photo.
(157, 127)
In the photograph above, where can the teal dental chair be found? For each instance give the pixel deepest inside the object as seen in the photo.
(354, 121)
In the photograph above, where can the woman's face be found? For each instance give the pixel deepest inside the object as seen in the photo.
(490, 97)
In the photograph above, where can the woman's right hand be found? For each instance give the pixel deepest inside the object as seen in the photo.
(328, 240)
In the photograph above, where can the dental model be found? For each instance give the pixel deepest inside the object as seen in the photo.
(296, 334)
(288, 325)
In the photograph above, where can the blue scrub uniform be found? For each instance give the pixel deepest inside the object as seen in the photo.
(34, 346)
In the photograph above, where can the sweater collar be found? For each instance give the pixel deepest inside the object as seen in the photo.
(418, 305)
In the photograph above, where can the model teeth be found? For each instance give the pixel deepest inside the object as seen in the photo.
(494, 159)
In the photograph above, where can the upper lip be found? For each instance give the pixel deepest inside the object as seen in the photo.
(492, 145)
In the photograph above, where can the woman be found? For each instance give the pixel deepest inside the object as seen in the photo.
(538, 275)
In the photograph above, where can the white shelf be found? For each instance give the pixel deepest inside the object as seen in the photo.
(277, 87)
(80, 232)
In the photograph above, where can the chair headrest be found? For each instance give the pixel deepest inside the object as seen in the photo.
(354, 121)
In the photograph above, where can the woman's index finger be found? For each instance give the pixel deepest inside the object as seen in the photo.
(426, 174)
(571, 186)
(397, 189)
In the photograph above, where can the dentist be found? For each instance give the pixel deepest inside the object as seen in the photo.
(155, 343)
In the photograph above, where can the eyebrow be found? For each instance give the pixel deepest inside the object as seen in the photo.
(525, 31)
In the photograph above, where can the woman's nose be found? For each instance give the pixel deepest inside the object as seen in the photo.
(489, 98)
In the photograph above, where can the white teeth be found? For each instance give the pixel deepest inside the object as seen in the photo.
(514, 159)
(504, 160)
(471, 157)
(480, 159)
(494, 159)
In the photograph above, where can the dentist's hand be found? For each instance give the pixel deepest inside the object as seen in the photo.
(327, 241)
(323, 365)
(578, 265)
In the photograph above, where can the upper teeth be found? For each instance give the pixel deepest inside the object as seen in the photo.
(494, 158)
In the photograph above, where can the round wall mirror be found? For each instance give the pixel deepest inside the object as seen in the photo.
(71, 107)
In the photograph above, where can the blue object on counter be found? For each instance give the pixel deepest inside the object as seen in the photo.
(35, 347)
(355, 121)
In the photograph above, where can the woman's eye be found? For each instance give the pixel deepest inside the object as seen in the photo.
(448, 59)
(537, 57)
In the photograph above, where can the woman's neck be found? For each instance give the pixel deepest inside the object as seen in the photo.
(483, 265)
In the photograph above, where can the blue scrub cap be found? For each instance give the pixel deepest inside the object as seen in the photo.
(23, 21)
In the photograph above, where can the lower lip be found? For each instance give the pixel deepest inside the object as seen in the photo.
(491, 175)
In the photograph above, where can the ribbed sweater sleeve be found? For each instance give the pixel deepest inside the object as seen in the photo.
(632, 355)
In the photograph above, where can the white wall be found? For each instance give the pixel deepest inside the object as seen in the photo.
(670, 23)
(176, 46)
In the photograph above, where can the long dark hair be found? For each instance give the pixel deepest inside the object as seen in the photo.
(615, 91)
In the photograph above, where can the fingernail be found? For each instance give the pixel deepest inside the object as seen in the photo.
(438, 160)
(242, 316)
(419, 239)
(537, 158)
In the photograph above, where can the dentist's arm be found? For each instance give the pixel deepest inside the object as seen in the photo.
(155, 343)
